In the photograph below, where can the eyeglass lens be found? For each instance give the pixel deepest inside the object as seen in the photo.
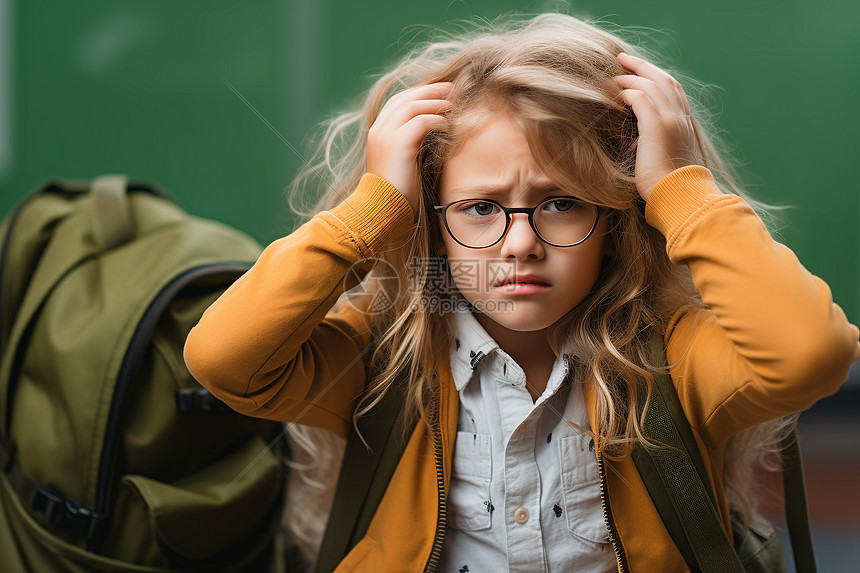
(559, 221)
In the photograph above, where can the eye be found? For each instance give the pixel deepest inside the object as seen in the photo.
(478, 208)
(561, 205)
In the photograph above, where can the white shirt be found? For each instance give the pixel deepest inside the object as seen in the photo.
(525, 492)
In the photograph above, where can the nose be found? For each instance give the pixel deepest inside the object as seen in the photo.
(521, 242)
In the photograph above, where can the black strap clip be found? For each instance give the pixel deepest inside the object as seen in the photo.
(59, 512)
(191, 400)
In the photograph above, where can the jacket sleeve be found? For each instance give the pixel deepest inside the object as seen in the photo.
(772, 341)
(274, 345)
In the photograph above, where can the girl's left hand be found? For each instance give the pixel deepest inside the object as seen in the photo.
(667, 139)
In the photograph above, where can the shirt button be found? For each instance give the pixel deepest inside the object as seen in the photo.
(521, 515)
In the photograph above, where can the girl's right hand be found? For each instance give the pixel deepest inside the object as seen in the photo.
(395, 137)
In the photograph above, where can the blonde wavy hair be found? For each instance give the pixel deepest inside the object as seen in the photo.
(553, 73)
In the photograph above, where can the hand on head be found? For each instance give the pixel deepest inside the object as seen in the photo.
(396, 135)
(667, 138)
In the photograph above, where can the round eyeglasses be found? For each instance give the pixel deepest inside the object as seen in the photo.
(561, 221)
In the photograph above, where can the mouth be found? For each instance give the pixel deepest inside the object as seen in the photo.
(515, 281)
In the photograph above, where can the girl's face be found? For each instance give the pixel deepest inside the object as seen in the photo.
(520, 283)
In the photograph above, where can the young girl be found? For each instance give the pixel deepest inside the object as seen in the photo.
(535, 202)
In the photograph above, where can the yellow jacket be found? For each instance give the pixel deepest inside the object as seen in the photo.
(772, 343)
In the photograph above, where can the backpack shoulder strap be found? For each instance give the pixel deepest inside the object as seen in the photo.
(675, 483)
(364, 476)
(796, 511)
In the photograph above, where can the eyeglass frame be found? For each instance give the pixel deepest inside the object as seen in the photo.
(441, 210)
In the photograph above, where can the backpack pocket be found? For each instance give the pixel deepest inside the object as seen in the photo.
(759, 549)
(223, 508)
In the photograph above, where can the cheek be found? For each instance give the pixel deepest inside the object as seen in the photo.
(439, 241)
(598, 250)
(458, 265)
(587, 269)
(467, 270)
(466, 277)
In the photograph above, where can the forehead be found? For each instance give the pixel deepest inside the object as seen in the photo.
(496, 161)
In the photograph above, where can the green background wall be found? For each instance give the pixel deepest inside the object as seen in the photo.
(164, 91)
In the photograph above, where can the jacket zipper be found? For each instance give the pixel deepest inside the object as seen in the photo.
(436, 551)
(607, 518)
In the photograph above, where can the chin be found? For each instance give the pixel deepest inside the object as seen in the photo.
(524, 323)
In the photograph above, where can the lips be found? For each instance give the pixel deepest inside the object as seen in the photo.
(524, 279)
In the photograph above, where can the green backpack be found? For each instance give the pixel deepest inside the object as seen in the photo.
(113, 458)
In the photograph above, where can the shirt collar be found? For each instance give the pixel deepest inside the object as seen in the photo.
(471, 345)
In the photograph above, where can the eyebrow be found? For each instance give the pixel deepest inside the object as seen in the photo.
(538, 186)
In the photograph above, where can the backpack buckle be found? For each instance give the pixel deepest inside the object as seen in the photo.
(192, 400)
(59, 512)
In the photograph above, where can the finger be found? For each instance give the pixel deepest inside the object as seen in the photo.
(646, 69)
(650, 88)
(429, 89)
(400, 115)
(425, 91)
(411, 109)
(643, 107)
(670, 92)
(668, 84)
(417, 128)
